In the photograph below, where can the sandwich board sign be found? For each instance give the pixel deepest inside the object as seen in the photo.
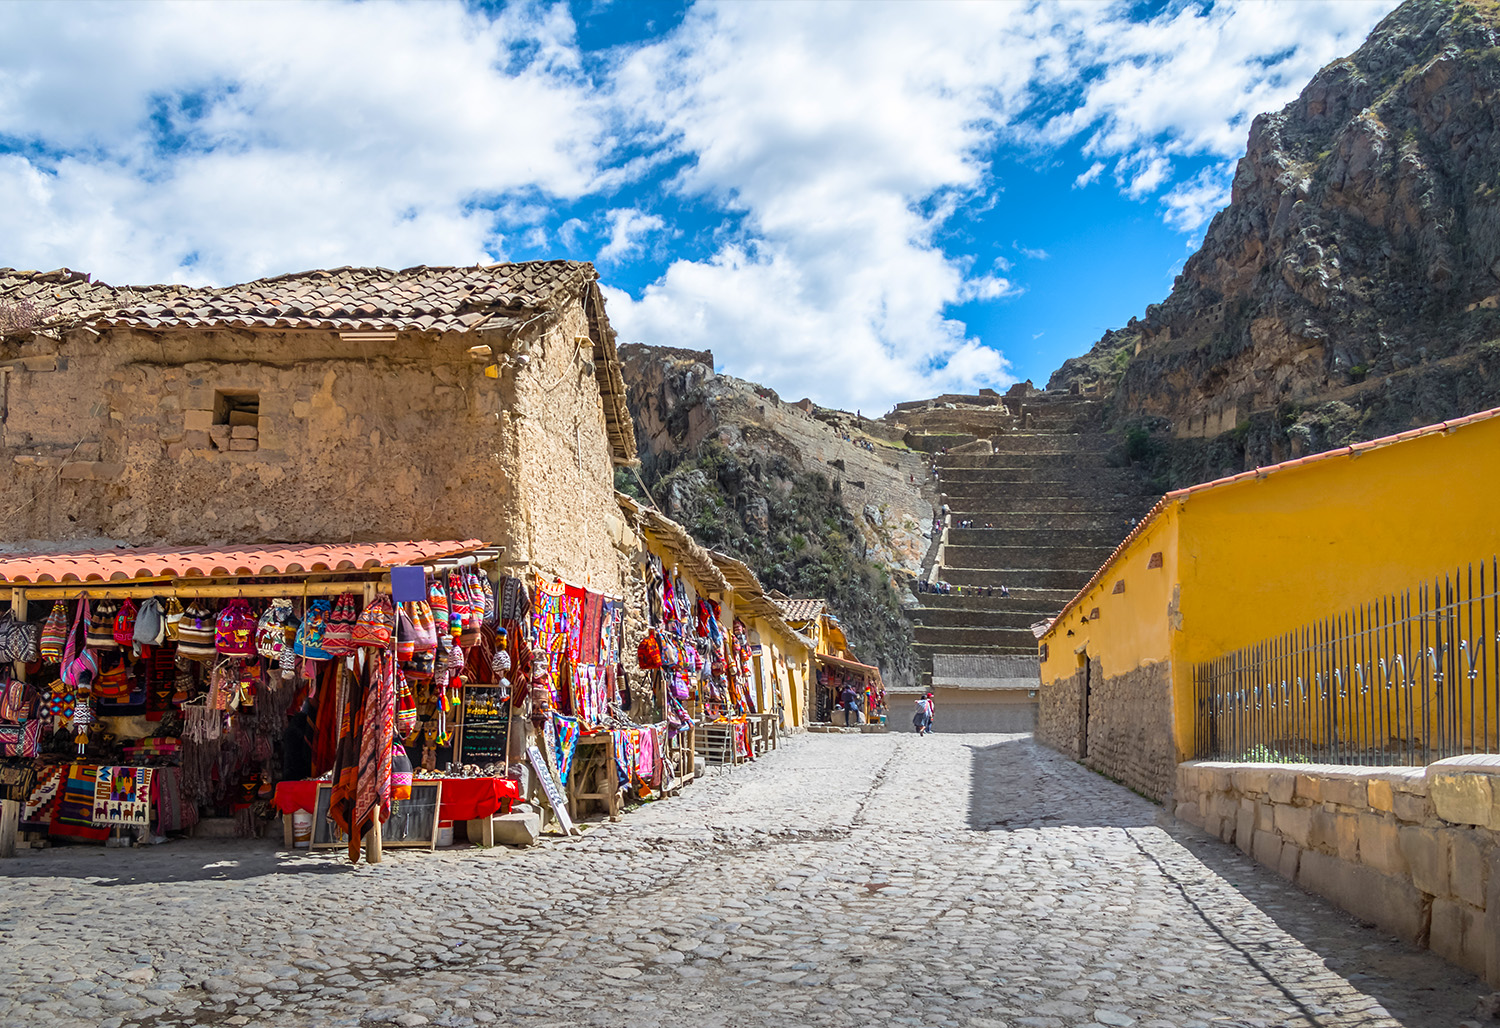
(555, 797)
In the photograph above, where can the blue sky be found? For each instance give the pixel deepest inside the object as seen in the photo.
(861, 203)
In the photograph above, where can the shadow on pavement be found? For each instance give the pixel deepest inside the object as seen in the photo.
(183, 860)
(1017, 784)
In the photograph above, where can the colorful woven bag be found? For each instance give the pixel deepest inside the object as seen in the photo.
(373, 629)
(196, 632)
(124, 631)
(309, 643)
(406, 635)
(276, 630)
(55, 633)
(338, 637)
(234, 629)
(101, 630)
(406, 708)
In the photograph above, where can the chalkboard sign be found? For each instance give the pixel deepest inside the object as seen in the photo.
(413, 822)
(485, 738)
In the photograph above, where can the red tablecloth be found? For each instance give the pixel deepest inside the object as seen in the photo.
(464, 799)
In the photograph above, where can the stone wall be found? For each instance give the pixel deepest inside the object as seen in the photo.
(1413, 850)
(123, 438)
(1129, 725)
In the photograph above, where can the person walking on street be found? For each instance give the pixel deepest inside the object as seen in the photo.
(922, 719)
(849, 700)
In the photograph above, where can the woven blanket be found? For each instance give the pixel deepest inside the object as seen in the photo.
(122, 796)
(75, 811)
(41, 804)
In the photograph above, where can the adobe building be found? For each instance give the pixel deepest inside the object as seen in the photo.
(348, 405)
(1240, 561)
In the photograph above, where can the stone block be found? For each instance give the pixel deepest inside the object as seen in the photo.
(1295, 824)
(243, 431)
(1266, 848)
(1244, 825)
(1264, 817)
(1492, 918)
(199, 398)
(242, 418)
(176, 450)
(1188, 811)
(1463, 799)
(197, 420)
(1380, 796)
(1290, 857)
(1346, 829)
(220, 436)
(1347, 792)
(1281, 787)
(518, 829)
(1380, 844)
(170, 434)
(1254, 780)
(243, 444)
(195, 440)
(1468, 866)
(1458, 935)
(1323, 833)
(1384, 900)
(1426, 853)
(1412, 807)
(91, 471)
(1226, 828)
(1309, 789)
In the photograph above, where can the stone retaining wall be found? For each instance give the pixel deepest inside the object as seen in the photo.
(1413, 850)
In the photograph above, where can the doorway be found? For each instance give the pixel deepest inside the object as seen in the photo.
(1084, 695)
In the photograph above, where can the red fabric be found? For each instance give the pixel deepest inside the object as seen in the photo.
(464, 799)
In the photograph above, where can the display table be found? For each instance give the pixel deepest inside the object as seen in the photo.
(463, 799)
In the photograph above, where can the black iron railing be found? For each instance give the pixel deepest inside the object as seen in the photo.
(1409, 679)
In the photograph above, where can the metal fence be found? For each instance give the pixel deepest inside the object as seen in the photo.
(1409, 679)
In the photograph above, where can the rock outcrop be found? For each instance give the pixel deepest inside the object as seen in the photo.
(819, 502)
(1352, 286)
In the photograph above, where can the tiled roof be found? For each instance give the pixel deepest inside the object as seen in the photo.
(802, 610)
(123, 565)
(349, 299)
(1353, 450)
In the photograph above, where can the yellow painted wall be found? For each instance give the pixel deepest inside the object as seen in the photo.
(1132, 628)
(1257, 558)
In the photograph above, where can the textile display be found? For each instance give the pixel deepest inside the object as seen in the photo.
(122, 796)
(551, 630)
(573, 599)
(17, 779)
(173, 810)
(611, 631)
(342, 801)
(593, 623)
(41, 805)
(74, 818)
(646, 754)
(565, 732)
(373, 797)
(463, 799)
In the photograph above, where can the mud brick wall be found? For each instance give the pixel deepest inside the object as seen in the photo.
(1129, 725)
(1413, 850)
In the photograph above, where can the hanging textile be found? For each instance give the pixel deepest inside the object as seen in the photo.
(565, 744)
(41, 805)
(573, 597)
(122, 796)
(593, 624)
(551, 630)
(373, 797)
(326, 723)
(173, 811)
(17, 779)
(343, 798)
(75, 809)
(646, 756)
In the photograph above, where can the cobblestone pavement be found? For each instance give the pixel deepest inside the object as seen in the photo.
(844, 880)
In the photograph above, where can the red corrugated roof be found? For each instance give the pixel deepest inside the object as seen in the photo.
(1244, 476)
(123, 565)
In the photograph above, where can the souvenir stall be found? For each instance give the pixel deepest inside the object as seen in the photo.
(151, 691)
(835, 676)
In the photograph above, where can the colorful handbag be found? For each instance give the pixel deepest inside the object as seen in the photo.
(406, 635)
(21, 740)
(54, 633)
(373, 629)
(101, 630)
(14, 700)
(124, 631)
(648, 653)
(173, 617)
(406, 708)
(196, 632)
(338, 637)
(309, 643)
(276, 630)
(671, 653)
(426, 629)
(437, 603)
(150, 625)
(234, 630)
(19, 640)
(112, 683)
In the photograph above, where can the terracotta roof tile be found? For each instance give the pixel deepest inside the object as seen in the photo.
(802, 609)
(349, 299)
(122, 565)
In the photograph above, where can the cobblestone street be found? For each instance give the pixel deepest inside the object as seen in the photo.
(843, 880)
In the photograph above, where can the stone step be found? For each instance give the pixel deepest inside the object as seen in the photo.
(959, 617)
(1003, 471)
(1107, 523)
(926, 650)
(1025, 556)
(1086, 537)
(1048, 578)
(1003, 457)
(1017, 443)
(1045, 601)
(1124, 505)
(992, 638)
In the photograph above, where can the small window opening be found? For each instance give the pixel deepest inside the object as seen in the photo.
(239, 409)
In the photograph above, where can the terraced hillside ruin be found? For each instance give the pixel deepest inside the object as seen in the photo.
(1032, 476)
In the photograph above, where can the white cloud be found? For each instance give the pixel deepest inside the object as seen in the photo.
(628, 228)
(220, 142)
(1189, 205)
(1090, 176)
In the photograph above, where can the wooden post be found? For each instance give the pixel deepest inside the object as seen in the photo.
(10, 821)
(372, 841)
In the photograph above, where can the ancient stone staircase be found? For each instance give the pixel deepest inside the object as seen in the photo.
(1047, 509)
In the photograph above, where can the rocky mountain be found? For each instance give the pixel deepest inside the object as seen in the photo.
(1352, 286)
(819, 502)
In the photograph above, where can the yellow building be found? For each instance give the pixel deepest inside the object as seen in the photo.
(833, 657)
(1239, 562)
(783, 657)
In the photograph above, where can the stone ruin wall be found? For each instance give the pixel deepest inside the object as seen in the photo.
(112, 439)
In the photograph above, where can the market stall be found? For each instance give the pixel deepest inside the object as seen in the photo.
(848, 683)
(149, 689)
